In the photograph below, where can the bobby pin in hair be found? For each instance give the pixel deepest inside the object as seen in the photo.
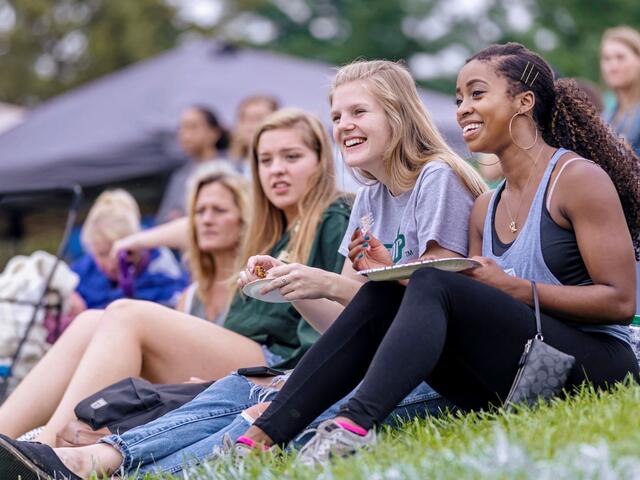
(528, 70)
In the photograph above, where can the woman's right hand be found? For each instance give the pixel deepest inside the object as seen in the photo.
(248, 275)
(366, 251)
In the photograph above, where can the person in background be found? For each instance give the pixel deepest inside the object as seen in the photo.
(218, 207)
(620, 67)
(593, 93)
(251, 111)
(152, 274)
(201, 138)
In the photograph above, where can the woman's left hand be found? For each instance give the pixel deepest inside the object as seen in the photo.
(299, 282)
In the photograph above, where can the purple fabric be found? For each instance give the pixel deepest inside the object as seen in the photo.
(98, 291)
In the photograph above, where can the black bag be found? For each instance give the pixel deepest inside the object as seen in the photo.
(132, 402)
(542, 370)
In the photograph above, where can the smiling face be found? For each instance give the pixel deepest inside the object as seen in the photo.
(285, 164)
(217, 220)
(360, 127)
(619, 64)
(195, 135)
(484, 108)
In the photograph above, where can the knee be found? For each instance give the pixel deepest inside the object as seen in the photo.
(86, 321)
(123, 313)
(376, 290)
(431, 277)
(120, 307)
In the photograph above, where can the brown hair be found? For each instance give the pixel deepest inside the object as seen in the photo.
(566, 118)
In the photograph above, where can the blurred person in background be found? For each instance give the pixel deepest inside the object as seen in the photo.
(218, 215)
(152, 274)
(620, 66)
(251, 111)
(201, 138)
(593, 92)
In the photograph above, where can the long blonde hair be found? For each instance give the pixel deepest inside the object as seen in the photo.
(631, 38)
(415, 140)
(202, 265)
(269, 223)
(114, 215)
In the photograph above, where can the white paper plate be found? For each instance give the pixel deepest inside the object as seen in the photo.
(400, 272)
(253, 290)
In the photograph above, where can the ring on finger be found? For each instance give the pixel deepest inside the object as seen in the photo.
(283, 281)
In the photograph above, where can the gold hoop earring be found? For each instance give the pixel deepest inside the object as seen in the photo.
(534, 128)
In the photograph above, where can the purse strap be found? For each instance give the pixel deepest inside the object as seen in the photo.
(536, 306)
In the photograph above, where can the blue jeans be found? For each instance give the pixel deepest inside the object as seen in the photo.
(193, 433)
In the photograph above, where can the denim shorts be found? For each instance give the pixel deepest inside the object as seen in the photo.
(270, 358)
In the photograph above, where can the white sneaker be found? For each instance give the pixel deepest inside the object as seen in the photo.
(332, 440)
(236, 452)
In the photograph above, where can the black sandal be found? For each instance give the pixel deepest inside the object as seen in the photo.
(31, 461)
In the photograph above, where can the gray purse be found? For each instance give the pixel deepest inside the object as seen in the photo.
(542, 370)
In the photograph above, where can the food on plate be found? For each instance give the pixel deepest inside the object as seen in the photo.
(260, 272)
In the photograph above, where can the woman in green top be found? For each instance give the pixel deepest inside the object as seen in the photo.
(298, 215)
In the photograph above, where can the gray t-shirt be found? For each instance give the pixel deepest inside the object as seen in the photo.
(437, 209)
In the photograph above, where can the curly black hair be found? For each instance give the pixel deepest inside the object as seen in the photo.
(566, 118)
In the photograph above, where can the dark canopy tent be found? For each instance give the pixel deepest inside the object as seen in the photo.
(122, 125)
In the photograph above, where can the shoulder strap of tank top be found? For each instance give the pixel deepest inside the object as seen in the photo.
(555, 180)
(189, 297)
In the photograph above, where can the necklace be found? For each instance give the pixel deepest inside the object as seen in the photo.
(513, 224)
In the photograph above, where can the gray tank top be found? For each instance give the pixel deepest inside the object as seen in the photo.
(524, 257)
(194, 306)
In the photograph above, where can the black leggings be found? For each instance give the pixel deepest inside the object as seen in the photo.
(462, 337)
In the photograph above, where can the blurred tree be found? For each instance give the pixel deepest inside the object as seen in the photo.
(48, 46)
(435, 36)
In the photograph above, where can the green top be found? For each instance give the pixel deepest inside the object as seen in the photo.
(279, 326)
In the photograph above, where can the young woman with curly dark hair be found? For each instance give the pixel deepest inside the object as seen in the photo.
(557, 219)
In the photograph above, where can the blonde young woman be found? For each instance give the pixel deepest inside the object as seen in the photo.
(419, 194)
(165, 346)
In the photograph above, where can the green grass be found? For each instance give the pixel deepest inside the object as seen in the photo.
(590, 436)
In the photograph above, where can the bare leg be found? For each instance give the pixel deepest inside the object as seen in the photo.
(48, 380)
(138, 338)
(83, 461)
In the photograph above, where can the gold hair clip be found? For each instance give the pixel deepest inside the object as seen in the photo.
(528, 70)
